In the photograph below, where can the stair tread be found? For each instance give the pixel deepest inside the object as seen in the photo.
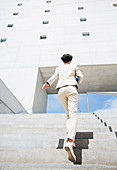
(23, 143)
(55, 165)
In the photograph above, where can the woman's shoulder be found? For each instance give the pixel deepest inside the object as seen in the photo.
(72, 66)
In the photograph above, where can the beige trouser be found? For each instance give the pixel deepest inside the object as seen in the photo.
(68, 96)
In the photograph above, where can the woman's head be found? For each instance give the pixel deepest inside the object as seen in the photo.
(66, 58)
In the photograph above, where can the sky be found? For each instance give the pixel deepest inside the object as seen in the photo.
(97, 103)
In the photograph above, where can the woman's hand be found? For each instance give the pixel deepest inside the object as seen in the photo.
(45, 86)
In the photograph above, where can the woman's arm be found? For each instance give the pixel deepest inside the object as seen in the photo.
(51, 80)
(79, 74)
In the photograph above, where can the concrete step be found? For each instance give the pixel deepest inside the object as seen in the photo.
(32, 136)
(33, 115)
(54, 137)
(104, 135)
(46, 116)
(50, 122)
(114, 129)
(44, 119)
(31, 130)
(99, 156)
(107, 114)
(31, 140)
(33, 156)
(14, 144)
(58, 124)
(54, 166)
(103, 144)
(53, 144)
(87, 156)
(109, 119)
(62, 125)
(96, 144)
(48, 130)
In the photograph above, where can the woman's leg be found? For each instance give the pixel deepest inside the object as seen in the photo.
(72, 107)
(69, 99)
(64, 100)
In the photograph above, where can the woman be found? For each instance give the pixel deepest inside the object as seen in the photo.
(67, 87)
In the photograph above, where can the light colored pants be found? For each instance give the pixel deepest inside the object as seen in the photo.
(68, 96)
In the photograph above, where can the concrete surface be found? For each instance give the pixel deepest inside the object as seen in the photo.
(110, 118)
(95, 78)
(40, 97)
(8, 102)
(24, 52)
(55, 166)
(27, 143)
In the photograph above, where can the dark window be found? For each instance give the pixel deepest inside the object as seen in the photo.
(19, 4)
(47, 10)
(83, 19)
(48, 1)
(85, 33)
(45, 22)
(115, 4)
(10, 25)
(3, 40)
(43, 36)
(15, 13)
(80, 8)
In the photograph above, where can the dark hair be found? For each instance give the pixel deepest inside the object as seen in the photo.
(66, 58)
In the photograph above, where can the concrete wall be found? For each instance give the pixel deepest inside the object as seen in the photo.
(24, 49)
(8, 102)
(4, 108)
(64, 32)
(40, 98)
(97, 78)
(22, 83)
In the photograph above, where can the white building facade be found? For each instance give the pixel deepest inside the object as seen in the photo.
(35, 34)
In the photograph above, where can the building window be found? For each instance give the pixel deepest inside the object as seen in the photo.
(10, 25)
(45, 22)
(19, 4)
(115, 5)
(48, 1)
(85, 33)
(15, 13)
(3, 40)
(47, 10)
(83, 19)
(80, 8)
(43, 36)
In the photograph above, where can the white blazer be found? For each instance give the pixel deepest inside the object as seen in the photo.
(66, 75)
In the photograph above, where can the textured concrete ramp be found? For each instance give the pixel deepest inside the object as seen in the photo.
(37, 142)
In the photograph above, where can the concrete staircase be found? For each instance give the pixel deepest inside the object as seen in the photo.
(35, 141)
